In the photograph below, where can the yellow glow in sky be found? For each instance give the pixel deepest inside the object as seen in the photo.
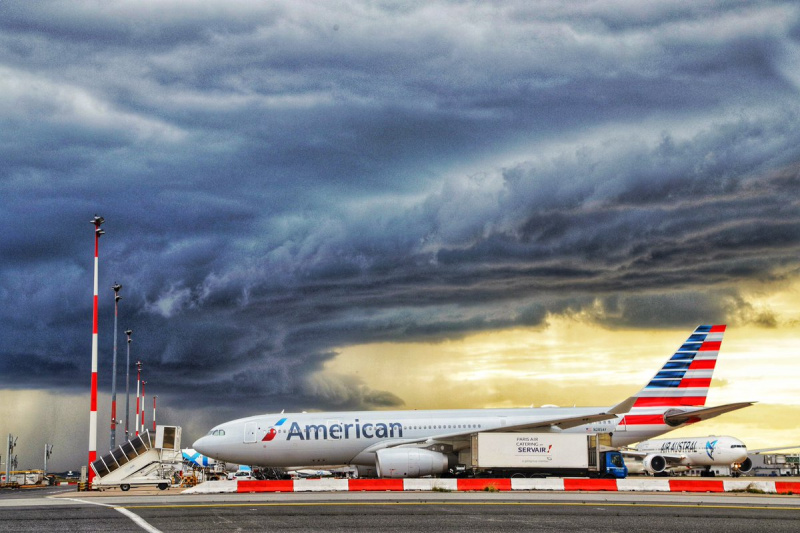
(574, 362)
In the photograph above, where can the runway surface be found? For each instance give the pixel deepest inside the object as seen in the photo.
(148, 510)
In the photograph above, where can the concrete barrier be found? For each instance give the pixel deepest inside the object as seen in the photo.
(431, 484)
(514, 484)
(320, 485)
(213, 487)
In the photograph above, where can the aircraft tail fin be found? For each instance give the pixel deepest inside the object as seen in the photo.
(685, 378)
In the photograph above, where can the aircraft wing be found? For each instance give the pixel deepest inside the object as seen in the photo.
(463, 435)
(766, 450)
(562, 423)
(671, 458)
(678, 417)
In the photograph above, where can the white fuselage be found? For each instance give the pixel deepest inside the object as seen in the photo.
(697, 451)
(333, 438)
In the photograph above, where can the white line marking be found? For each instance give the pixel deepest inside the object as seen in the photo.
(138, 520)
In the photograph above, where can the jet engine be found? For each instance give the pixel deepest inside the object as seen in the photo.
(409, 462)
(654, 464)
(744, 467)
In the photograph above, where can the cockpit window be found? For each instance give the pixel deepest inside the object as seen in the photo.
(217, 432)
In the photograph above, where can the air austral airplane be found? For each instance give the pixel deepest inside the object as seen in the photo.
(666, 456)
(420, 443)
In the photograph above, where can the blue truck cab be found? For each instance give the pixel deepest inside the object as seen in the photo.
(614, 465)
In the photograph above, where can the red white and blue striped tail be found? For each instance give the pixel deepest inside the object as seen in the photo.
(685, 377)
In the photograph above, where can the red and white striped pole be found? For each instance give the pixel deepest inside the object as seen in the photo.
(138, 382)
(154, 414)
(97, 221)
(143, 384)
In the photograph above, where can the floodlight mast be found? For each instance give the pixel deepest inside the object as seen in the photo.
(143, 384)
(97, 221)
(10, 457)
(138, 383)
(116, 287)
(48, 451)
(128, 386)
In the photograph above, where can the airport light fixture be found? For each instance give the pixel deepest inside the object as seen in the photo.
(97, 221)
(116, 287)
(128, 386)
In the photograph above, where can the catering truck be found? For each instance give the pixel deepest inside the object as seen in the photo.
(542, 454)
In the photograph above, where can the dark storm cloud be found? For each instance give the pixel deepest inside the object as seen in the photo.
(282, 181)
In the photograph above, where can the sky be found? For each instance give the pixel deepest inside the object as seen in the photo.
(382, 205)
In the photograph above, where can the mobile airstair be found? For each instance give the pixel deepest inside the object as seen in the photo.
(143, 460)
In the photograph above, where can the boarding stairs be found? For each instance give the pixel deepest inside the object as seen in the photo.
(146, 459)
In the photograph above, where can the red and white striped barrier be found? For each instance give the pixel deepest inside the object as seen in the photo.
(469, 484)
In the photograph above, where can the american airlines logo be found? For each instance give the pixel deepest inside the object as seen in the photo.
(272, 432)
(337, 431)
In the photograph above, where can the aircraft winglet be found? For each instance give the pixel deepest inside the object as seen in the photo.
(623, 407)
(678, 417)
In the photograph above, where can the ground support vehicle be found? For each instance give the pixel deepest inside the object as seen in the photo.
(144, 460)
(543, 454)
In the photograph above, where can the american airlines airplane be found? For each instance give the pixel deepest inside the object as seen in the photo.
(420, 443)
(673, 455)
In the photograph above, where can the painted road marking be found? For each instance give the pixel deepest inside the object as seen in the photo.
(138, 520)
(602, 504)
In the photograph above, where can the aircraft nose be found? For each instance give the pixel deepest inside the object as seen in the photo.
(202, 445)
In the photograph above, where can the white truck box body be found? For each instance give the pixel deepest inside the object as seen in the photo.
(531, 450)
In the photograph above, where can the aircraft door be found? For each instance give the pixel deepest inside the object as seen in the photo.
(250, 432)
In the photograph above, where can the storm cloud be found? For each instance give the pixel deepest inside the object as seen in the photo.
(286, 179)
